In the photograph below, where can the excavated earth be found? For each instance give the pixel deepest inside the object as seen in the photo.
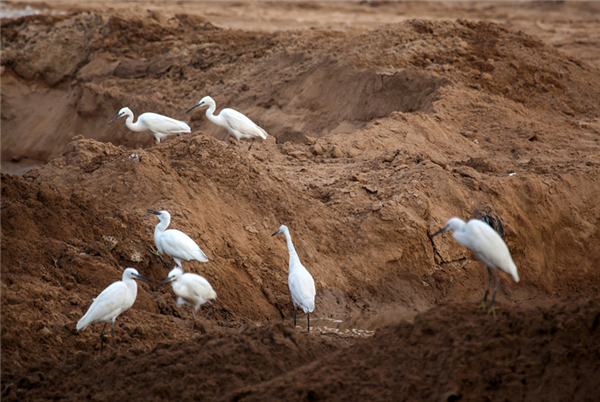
(378, 135)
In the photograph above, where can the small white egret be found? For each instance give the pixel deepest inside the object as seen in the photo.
(113, 300)
(487, 245)
(300, 281)
(174, 243)
(191, 289)
(233, 121)
(156, 124)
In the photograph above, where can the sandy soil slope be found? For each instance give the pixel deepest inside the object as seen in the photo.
(378, 134)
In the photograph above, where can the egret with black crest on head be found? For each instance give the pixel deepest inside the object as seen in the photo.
(488, 246)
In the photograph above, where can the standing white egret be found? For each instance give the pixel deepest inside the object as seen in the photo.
(174, 243)
(300, 281)
(233, 121)
(158, 125)
(191, 289)
(487, 245)
(113, 300)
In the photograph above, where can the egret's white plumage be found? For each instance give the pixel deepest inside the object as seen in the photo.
(191, 290)
(174, 243)
(113, 300)
(233, 121)
(156, 124)
(487, 245)
(300, 281)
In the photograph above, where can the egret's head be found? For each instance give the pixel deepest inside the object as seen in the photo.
(131, 273)
(122, 113)
(282, 229)
(173, 276)
(162, 215)
(206, 101)
(452, 224)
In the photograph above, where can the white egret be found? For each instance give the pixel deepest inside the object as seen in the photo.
(233, 121)
(158, 125)
(300, 281)
(487, 245)
(113, 300)
(174, 243)
(191, 289)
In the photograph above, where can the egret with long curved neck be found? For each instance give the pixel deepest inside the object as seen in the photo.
(158, 125)
(488, 246)
(233, 121)
(300, 281)
(174, 243)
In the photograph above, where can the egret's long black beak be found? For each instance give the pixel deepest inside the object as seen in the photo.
(119, 115)
(198, 105)
(275, 233)
(153, 212)
(142, 277)
(440, 231)
(163, 282)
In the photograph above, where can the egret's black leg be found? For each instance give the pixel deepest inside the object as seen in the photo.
(252, 143)
(113, 336)
(102, 338)
(294, 315)
(239, 147)
(193, 322)
(487, 290)
(156, 253)
(495, 289)
(492, 309)
(308, 321)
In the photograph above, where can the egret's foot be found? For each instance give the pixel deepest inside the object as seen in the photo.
(482, 305)
(154, 251)
(157, 254)
(492, 310)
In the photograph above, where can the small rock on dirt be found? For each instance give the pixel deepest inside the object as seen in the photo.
(337, 152)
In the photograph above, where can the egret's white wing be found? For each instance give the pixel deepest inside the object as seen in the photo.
(179, 245)
(193, 289)
(200, 288)
(242, 124)
(163, 124)
(107, 305)
(489, 247)
(302, 287)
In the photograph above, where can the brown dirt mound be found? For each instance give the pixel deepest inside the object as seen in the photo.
(450, 353)
(455, 352)
(394, 130)
(293, 83)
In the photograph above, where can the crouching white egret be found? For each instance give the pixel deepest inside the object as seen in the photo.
(233, 121)
(113, 300)
(174, 243)
(300, 281)
(156, 124)
(487, 245)
(191, 289)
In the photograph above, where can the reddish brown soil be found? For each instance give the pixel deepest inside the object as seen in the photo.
(377, 137)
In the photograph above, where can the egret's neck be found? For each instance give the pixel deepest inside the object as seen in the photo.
(131, 287)
(131, 125)
(291, 249)
(210, 114)
(160, 228)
